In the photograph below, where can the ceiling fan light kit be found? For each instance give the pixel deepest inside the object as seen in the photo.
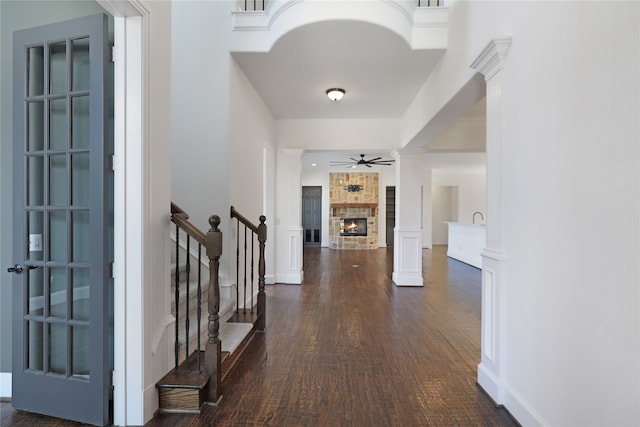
(378, 161)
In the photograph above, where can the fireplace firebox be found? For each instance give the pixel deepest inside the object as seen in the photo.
(353, 226)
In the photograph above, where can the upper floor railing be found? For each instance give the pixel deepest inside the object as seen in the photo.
(261, 5)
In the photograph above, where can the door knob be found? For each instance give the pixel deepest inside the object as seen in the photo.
(15, 269)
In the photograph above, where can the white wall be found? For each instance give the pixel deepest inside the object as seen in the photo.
(338, 134)
(471, 192)
(442, 211)
(571, 201)
(252, 128)
(251, 132)
(200, 113)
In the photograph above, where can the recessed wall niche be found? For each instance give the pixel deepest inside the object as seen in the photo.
(353, 195)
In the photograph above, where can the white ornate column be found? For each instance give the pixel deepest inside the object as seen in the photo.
(490, 63)
(407, 243)
(288, 223)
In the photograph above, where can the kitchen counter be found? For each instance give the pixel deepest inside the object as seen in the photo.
(466, 242)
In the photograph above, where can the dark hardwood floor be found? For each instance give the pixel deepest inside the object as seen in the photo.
(348, 348)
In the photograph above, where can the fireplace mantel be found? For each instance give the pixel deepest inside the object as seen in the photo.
(340, 209)
(354, 205)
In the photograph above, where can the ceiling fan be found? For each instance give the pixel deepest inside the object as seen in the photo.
(362, 161)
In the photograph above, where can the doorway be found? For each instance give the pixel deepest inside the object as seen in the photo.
(312, 215)
(63, 236)
(390, 213)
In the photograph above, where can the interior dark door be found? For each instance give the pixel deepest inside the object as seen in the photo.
(312, 215)
(61, 250)
(390, 214)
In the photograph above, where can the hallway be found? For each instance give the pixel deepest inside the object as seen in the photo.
(348, 348)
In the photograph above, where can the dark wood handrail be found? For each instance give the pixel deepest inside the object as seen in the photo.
(242, 219)
(180, 218)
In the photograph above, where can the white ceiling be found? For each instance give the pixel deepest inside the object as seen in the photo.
(375, 66)
(379, 72)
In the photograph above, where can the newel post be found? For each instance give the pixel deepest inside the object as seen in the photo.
(262, 298)
(213, 349)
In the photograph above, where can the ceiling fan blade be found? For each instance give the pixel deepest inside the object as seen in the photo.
(354, 159)
(373, 160)
(367, 165)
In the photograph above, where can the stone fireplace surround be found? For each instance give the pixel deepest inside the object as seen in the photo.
(353, 204)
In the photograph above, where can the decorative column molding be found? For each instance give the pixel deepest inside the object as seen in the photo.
(491, 63)
(288, 236)
(407, 247)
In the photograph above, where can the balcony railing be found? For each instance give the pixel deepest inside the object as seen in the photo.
(261, 5)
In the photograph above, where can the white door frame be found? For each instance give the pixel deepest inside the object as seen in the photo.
(130, 22)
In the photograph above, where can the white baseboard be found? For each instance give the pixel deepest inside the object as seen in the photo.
(404, 279)
(5, 385)
(270, 279)
(290, 279)
(505, 396)
(522, 411)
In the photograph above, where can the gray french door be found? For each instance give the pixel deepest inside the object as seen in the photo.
(61, 351)
(312, 215)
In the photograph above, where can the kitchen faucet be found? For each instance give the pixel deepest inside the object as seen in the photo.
(474, 216)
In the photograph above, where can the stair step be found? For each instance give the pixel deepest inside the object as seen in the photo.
(232, 335)
(183, 392)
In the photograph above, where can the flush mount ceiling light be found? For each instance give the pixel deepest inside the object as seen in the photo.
(335, 94)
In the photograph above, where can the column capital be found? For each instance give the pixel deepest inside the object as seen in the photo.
(491, 59)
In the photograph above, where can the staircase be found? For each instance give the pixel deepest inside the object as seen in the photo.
(225, 333)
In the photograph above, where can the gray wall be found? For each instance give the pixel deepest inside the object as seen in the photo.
(16, 15)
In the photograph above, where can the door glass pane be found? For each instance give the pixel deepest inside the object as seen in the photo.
(58, 348)
(58, 67)
(58, 236)
(36, 292)
(80, 179)
(35, 129)
(80, 231)
(80, 60)
(80, 357)
(81, 293)
(35, 178)
(34, 345)
(58, 124)
(35, 225)
(58, 292)
(58, 180)
(35, 73)
(80, 122)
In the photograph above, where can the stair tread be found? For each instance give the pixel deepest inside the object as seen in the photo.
(232, 335)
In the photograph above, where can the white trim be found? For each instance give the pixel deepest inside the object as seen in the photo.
(519, 408)
(131, 21)
(160, 330)
(491, 371)
(5, 385)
